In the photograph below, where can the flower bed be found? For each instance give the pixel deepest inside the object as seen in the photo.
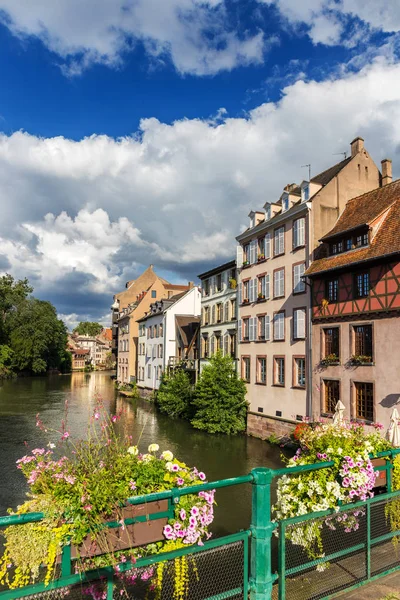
(351, 478)
(81, 485)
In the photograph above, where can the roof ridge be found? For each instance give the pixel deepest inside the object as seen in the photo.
(345, 160)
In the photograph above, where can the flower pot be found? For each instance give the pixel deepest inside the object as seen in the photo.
(126, 536)
(381, 480)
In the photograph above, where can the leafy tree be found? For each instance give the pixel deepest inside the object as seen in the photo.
(38, 338)
(219, 398)
(110, 361)
(175, 394)
(6, 356)
(88, 327)
(12, 294)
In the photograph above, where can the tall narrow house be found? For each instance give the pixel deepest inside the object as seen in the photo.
(274, 302)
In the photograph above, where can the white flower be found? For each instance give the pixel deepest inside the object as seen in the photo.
(147, 457)
(168, 466)
(133, 450)
(167, 455)
(153, 448)
(51, 446)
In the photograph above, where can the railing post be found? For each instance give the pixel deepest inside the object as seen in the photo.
(261, 579)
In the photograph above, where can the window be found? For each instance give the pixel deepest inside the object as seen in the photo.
(261, 288)
(246, 329)
(219, 312)
(226, 311)
(246, 291)
(205, 347)
(331, 395)
(306, 193)
(337, 247)
(213, 314)
(219, 282)
(363, 342)
(299, 232)
(232, 345)
(299, 323)
(279, 326)
(279, 241)
(153, 293)
(299, 285)
(206, 315)
(160, 350)
(267, 212)
(233, 309)
(361, 240)
(246, 254)
(285, 203)
(279, 370)
(246, 368)
(332, 290)
(261, 248)
(261, 375)
(261, 327)
(206, 287)
(300, 372)
(361, 281)
(279, 283)
(149, 371)
(267, 245)
(218, 342)
(364, 397)
(331, 342)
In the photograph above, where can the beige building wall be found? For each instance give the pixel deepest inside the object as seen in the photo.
(383, 373)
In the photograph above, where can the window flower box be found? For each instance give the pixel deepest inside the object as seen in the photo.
(261, 257)
(245, 263)
(360, 360)
(329, 360)
(246, 301)
(261, 297)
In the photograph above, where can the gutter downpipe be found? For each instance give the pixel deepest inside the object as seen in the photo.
(309, 388)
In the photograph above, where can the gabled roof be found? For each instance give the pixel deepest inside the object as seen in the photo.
(214, 271)
(364, 210)
(188, 326)
(325, 177)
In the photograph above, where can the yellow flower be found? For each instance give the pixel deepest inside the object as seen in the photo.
(153, 448)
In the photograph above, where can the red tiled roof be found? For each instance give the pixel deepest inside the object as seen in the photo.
(386, 240)
(80, 351)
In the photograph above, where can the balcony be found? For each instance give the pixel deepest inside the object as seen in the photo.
(187, 364)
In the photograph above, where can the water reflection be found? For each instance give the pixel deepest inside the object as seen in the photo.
(219, 456)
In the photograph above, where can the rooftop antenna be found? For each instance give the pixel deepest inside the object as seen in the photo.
(341, 153)
(309, 170)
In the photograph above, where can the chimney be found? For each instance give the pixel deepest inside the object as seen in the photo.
(356, 146)
(190, 285)
(386, 171)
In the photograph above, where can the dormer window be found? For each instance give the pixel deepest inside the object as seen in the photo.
(285, 203)
(306, 193)
(349, 242)
(267, 212)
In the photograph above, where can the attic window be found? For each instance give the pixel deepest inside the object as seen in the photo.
(351, 242)
(267, 212)
(285, 203)
(306, 193)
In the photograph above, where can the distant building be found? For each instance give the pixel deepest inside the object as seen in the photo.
(134, 302)
(168, 336)
(274, 303)
(80, 358)
(218, 311)
(356, 308)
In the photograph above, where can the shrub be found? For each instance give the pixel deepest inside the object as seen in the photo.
(175, 394)
(219, 401)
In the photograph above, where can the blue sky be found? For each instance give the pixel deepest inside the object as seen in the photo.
(138, 131)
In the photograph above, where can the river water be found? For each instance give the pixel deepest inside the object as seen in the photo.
(218, 456)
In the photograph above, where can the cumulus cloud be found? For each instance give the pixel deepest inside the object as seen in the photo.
(195, 35)
(93, 213)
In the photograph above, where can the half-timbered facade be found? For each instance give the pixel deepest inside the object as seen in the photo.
(274, 301)
(356, 310)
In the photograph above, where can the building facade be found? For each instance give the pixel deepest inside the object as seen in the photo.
(159, 332)
(356, 309)
(218, 329)
(135, 302)
(274, 302)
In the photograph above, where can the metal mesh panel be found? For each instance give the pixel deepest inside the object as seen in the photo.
(210, 573)
(339, 572)
(385, 554)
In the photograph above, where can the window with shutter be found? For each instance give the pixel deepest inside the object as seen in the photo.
(298, 232)
(212, 344)
(240, 330)
(226, 344)
(213, 314)
(267, 245)
(299, 323)
(267, 328)
(239, 256)
(279, 241)
(226, 315)
(267, 292)
(279, 283)
(298, 281)
(253, 251)
(240, 293)
(279, 326)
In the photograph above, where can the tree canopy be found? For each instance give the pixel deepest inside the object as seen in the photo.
(32, 338)
(88, 327)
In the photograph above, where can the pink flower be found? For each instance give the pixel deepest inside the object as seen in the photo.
(88, 507)
(194, 511)
(96, 416)
(202, 476)
(132, 485)
(65, 436)
(180, 481)
(114, 418)
(182, 514)
(175, 468)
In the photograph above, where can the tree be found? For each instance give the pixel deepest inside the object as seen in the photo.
(12, 294)
(88, 327)
(219, 399)
(38, 338)
(6, 356)
(110, 361)
(175, 394)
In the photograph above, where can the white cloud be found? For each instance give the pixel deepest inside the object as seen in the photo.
(176, 195)
(194, 34)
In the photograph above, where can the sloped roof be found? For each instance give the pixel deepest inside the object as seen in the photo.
(386, 241)
(325, 177)
(363, 209)
(188, 326)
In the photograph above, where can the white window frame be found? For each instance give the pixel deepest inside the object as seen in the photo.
(299, 226)
(279, 326)
(279, 241)
(299, 285)
(299, 323)
(279, 283)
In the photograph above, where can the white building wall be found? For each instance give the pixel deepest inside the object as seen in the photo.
(189, 304)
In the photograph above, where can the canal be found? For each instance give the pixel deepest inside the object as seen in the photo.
(218, 456)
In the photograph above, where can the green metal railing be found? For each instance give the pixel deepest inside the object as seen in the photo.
(293, 578)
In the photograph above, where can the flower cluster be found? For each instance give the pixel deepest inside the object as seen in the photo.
(351, 478)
